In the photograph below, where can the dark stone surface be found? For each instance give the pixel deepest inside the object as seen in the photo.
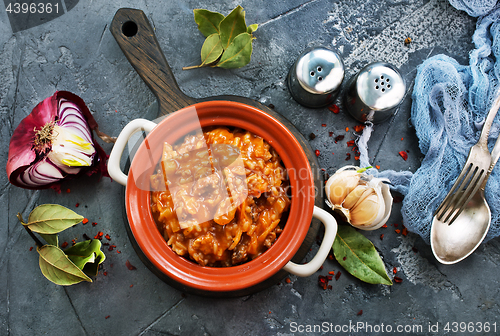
(76, 52)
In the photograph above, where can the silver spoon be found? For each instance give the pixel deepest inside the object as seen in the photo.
(453, 243)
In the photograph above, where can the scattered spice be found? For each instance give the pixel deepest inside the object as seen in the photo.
(395, 224)
(339, 138)
(99, 235)
(331, 272)
(405, 231)
(323, 125)
(323, 281)
(401, 139)
(381, 236)
(68, 190)
(94, 224)
(107, 237)
(321, 268)
(359, 128)
(384, 226)
(107, 317)
(397, 231)
(377, 166)
(85, 221)
(105, 273)
(360, 313)
(64, 245)
(337, 275)
(351, 143)
(348, 156)
(407, 41)
(347, 129)
(77, 205)
(334, 108)
(73, 241)
(317, 152)
(130, 266)
(287, 280)
(398, 279)
(394, 270)
(31, 248)
(344, 258)
(312, 136)
(118, 252)
(404, 155)
(330, 134)
(131, 286)
(111, 247)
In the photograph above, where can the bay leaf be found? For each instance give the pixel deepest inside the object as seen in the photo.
(232, 26)
(58, 268)
(211, 49)
(359, 257)
(208, 22)
(86, 255)
(252, 28)
(51, 239)
(52, 218)
(238, 53)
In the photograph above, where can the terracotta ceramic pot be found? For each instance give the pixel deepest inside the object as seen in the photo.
(234, 279)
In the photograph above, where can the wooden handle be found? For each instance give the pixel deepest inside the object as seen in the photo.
(136, 38)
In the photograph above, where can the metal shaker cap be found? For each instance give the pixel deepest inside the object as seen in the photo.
(375, 92)
(316, 76)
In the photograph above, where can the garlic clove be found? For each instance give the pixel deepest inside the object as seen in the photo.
(340, 187)
(354, 196)
(366, 211)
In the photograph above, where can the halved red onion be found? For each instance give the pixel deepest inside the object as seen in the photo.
(55, 142)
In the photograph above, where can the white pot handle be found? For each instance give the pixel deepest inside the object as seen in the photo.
(114, 168)
(330, 232)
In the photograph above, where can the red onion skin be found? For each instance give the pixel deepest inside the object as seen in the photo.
(21, 153)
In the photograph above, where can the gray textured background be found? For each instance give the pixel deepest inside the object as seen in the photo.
(76, 52)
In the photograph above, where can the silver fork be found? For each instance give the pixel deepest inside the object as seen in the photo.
(472, 175)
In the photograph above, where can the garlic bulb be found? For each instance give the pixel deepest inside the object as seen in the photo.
(364, 201)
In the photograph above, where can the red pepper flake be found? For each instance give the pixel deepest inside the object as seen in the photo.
(397, 231)
(356, 158)
(130, 266)
(270, 312)
(337, 275)
(85, 221)
(404, 155)
(64, 245)
(334, 108)
(377, 166)
(359, 128)
(107, 237)
(360, 313)
(396, 224)
(330, 134)
(329, 277)
(317, 152)
(384, 226)
(68, 190)
(347, 129)
(73, 241)
(111, 247)
(107, 317)
(323, 125)
(77, 205)
(394, 270)
(351, 143)
(131, 286)
(31, 248)
(99, 235)
(321, 268)
(344, 258)
(312, 136)
(381, 236)
(287, 280)
(339, 138)
(401, 139)
(348, 156)
(331, 272)
(330, 287)
(405, 231)
(398, 279)
(105, 273)
(118, 251)
(94, 224)
(323, 281)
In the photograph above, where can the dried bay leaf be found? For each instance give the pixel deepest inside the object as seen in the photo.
(211, 50)
(232, 26)
(238, 53)
(359, 257)
(52, 218)
(252, 28)
(51, 239)
(86, 255)
(208, 22)
(58, 268)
